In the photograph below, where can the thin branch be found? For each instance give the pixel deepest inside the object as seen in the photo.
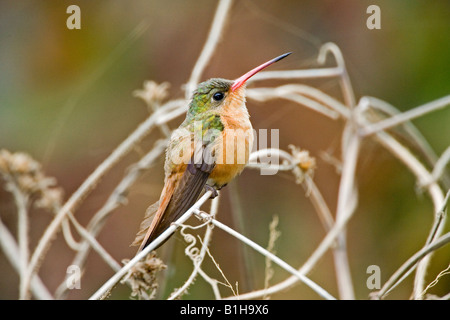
(406, 116)
(345, 207)
(424, 252)
(88, 185)
(439, 216)
(95, 244)
(68, 237)
(423, 176)
(388, 109)
(297, 74)
(347, 193)
(323, 247)
(272, 257)
(11, 252)
(265, 94)
(227, 284)
(211, 43)
(411, 162)
(439, 219)
(100, 293)
(117, 197)
(347, 90)
(313, 191)
(21, 200)
(319, 203)
(444, 272)
(212, 282)
(198, 259)
(439, 167)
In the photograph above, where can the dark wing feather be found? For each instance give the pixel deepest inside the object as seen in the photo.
(187, 191)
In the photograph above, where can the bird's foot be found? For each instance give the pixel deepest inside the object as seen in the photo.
(213, 190)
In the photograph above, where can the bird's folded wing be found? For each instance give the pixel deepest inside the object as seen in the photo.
(185, 194)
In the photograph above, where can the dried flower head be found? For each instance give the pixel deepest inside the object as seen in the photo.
(153, 93)
(305, 164)
(22, 163)
(142, 276)
(50, 199)
(26, 174)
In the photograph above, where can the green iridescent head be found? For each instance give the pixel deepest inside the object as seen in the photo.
(209, 95)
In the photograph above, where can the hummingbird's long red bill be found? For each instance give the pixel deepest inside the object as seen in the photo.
(241, 80)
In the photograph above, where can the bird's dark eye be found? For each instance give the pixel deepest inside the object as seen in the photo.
(218, 96)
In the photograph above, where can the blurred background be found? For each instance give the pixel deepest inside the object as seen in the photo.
(66, 99)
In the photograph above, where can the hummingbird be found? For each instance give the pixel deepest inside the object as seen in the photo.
(209, 149)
